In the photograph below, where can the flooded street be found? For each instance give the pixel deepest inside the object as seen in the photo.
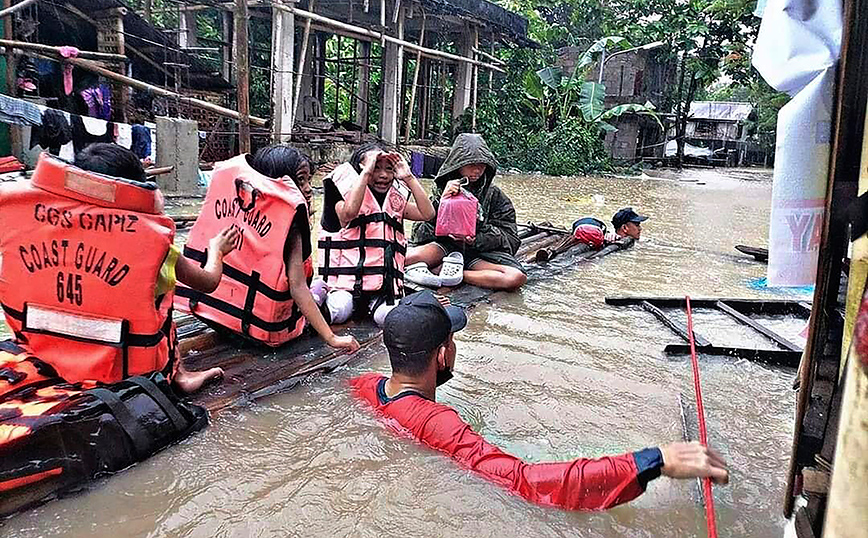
(549, 373)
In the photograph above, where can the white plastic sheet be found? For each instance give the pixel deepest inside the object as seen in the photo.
(797, 51)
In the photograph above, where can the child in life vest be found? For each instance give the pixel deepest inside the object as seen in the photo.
(117, 161)
(283, 161)
(362, 243)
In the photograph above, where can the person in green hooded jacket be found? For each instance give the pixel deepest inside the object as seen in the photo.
(486, 260)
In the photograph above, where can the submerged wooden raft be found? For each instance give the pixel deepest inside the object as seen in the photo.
(253, 371)
(737, 309)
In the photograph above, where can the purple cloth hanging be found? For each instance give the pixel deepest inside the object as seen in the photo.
(417, 163)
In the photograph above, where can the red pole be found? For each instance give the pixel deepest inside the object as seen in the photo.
(703, 433)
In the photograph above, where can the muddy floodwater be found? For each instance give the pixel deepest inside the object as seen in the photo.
(548, 373)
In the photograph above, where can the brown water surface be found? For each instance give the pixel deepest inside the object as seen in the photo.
(548, 373)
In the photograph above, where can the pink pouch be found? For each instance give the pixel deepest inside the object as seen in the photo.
(457, 215)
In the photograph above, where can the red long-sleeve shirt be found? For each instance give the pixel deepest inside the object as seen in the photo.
(580, 484)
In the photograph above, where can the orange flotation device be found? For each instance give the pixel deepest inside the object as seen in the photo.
(253, 298)
(367, 255)
(55, 435)
(81, 256)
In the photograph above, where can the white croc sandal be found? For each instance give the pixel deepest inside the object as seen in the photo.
(419, 274)
(452, 270)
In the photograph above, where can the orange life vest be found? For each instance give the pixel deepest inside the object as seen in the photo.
(55, 435)
(81, 254)
(367, 255)
(253, 297)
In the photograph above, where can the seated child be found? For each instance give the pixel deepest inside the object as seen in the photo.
(362, 244)
(264, 294)
(486, 260)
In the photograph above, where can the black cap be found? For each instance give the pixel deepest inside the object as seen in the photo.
(625, 215)
(420, 324)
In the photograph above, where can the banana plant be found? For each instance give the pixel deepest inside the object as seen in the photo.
(559, 96)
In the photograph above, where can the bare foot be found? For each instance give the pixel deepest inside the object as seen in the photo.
(189, 382)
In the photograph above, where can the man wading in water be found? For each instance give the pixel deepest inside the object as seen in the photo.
(418, 336)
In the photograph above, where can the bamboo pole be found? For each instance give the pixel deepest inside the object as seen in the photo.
(17, 7)
(242, 77)
(301, 59)
(211, 107)
(474, 97)
(358, 31)
(86, 54)
(415, 82)
(15, 137)
(491, 57)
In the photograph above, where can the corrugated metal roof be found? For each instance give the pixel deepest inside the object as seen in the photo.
(720, 110)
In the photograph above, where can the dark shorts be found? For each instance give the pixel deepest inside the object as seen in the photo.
(472, 256)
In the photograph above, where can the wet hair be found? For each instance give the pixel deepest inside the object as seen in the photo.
(111, 160)
(356, 158)
(311, 167)
(279, 160)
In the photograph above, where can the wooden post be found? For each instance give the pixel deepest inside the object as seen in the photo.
(243, 75)
(364, 79)
(415, 81)
(305, 39)
(227, 51)
(464, 77)
(110, 39)
(392, 61)
(15, 139)
(475, 96)
(319, 64)
(187, 30)
(337, 81)
(846, 514)
(424, 83)
(440, 130)
(283, 62)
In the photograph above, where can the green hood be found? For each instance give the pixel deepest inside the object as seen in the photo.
(467, 149)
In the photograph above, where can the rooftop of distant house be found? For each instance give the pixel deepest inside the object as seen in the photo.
(720, 110)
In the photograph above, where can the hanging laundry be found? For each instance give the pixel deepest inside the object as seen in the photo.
(83, 137)
(141, 141)
(54, 132)
(68, 52)
(417, 163)
(98, 101)
(19, 112)
(124, 135)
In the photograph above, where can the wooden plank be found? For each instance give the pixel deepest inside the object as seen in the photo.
(753, 306)
(803, 525)
(758, 327)
(759, 254)
(677, 327)
(815, 480)
(777, 357)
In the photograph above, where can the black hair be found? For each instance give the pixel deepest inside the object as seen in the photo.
(279, 160)
(111, 160)
(413, 364)
(356, 158)
(310, 165)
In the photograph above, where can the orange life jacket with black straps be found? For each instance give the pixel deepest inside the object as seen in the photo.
(366, 255)
(55, 435)
(81, 254)
(253, 297)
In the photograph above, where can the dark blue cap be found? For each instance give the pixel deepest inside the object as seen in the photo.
(625, 215)
(420, 324)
